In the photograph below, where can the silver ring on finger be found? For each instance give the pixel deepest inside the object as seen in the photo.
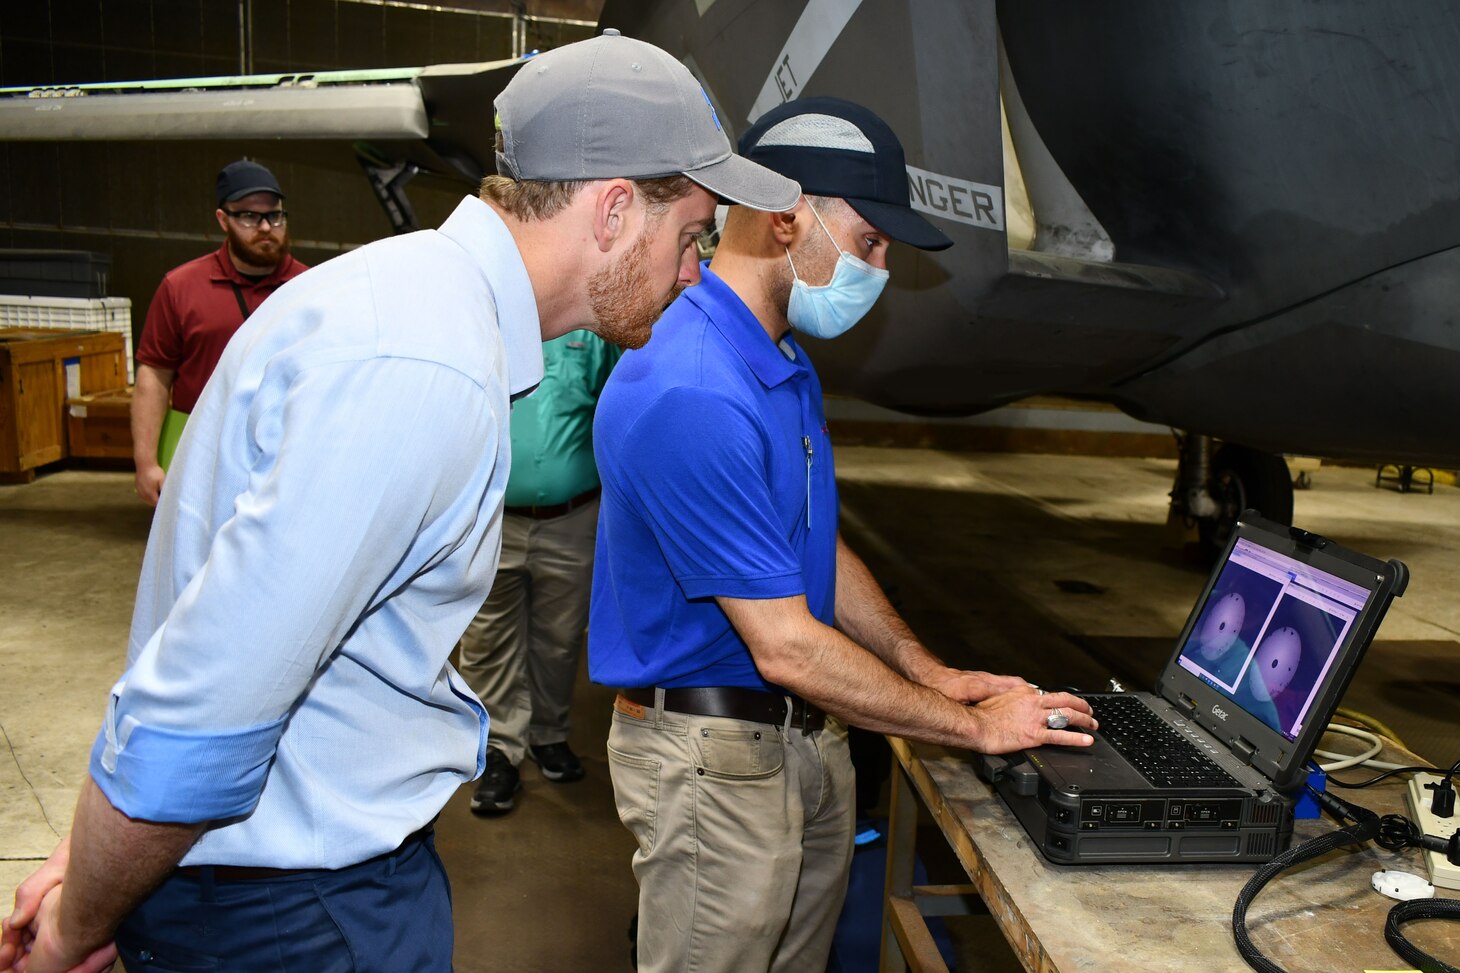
(1056, 720)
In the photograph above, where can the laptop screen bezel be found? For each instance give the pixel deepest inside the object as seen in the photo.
(1272, 754)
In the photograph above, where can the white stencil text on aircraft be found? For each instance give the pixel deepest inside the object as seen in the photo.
(974, 203)
(817, 29)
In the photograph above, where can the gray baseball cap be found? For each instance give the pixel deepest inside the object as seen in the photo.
(616, 108)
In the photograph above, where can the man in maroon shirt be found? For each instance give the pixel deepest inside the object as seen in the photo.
(198, 307)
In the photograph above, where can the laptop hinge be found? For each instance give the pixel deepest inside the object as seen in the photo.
(1187, 705)
(1243, 750)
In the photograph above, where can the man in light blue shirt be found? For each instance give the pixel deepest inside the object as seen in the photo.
(269, 765)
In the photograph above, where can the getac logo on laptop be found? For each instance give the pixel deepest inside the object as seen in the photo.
(1220, 713)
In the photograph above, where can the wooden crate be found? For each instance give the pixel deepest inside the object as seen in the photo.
(99, 426)
(39, 369)
(71, 314)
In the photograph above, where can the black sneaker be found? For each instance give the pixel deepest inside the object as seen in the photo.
(500, 783)
(557, 762)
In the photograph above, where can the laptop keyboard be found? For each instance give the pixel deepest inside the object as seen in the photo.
(1163, 756)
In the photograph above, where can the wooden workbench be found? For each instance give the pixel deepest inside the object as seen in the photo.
(1321, 917)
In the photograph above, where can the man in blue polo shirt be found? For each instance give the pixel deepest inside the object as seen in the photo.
(744, 633)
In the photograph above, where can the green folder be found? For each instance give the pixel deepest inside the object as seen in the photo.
(172, 429)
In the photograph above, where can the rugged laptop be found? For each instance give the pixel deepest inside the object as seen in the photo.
(1207, 768)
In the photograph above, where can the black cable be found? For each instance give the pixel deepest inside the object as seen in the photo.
(1396, 831)
(1334, 782)
(1365, 827)
(1419, 909)
(1454, 769)
(1342, 810)
(1393, 832)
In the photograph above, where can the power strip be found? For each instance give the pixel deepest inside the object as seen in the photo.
(1442, 873)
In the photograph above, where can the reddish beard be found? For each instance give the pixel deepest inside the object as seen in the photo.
(623, 299)
(259, 249)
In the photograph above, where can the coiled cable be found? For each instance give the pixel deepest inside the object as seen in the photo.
(1419, 909)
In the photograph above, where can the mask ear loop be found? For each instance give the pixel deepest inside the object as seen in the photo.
(792, 263)
(823, 227)
(823, 230)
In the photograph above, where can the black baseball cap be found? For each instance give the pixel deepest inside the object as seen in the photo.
(239, 179)
(834, 147)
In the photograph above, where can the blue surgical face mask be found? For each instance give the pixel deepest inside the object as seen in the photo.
(831, 309)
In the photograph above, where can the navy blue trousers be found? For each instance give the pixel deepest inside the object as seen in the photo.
(390, 913)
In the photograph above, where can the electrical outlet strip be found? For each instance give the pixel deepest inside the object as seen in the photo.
(1442, 873)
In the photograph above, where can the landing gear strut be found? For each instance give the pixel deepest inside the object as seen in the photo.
(388, 182)
(1214, 487)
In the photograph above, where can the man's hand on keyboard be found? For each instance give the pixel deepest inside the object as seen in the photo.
(1021, 718)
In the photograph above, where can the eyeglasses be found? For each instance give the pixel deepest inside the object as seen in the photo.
(251, 219)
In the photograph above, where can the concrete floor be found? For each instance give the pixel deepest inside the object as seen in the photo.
(972, 547)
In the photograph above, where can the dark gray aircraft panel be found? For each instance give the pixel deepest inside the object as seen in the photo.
(1280, 184)
(1369, 370)
(1304, 157)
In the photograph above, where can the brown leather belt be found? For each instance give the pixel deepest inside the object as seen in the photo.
(252, 873)
(555, 509)
(734, 702)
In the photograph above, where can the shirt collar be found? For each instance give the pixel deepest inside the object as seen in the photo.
(728, 313)
(225, 270)
(482, 234)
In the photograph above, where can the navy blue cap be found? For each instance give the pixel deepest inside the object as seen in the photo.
(242, 178)
(837, 148)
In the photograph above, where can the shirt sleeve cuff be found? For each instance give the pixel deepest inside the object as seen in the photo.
(777, 586)
(182, 776)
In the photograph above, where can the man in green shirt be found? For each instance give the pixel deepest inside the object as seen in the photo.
(520, 652)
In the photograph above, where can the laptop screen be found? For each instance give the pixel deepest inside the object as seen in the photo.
(1269, 633)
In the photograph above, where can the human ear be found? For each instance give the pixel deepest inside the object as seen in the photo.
(783, 226)
(611, 207)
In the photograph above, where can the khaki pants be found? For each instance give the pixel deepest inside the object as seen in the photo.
(745, 840)
(520, 653)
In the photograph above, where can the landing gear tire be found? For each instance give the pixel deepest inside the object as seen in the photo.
(1243, 477)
